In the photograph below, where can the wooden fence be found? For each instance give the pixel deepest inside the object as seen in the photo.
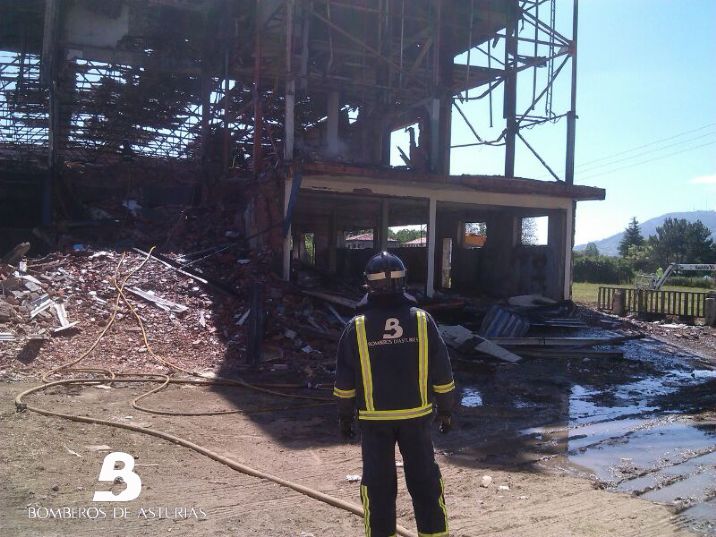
(677, 303)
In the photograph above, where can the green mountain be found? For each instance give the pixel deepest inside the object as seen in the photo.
(610, 245)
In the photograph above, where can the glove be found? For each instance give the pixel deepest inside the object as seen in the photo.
(345, 424)
(445, 423)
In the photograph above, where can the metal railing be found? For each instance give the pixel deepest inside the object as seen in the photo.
(677, 303)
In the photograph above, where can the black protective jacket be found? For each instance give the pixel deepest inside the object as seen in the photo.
(392, 363)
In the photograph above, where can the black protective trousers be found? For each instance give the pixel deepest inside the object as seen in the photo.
(379, 486)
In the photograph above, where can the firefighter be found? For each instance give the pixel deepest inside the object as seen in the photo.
(393, 367)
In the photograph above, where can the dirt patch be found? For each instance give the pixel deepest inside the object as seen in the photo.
(551, 431)
(54, 463)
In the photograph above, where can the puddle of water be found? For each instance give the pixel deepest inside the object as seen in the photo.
(695, 486)
(596, 432)
(652, 480)
(620, 430)
(582, 408)
(701, 517)
(644, 448)
(631, 398)
(471, 398)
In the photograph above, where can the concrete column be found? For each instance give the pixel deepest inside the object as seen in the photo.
(289, 123)
(49, 76)
(332, 241)
(333, 104)
(290, 96)
(445, 134)
(572, 114)
(384, 211)
(710, 311)
(568, 245)
(432, 214)
(459, 228)
(435, 149)
(510, 94)
(287, 238)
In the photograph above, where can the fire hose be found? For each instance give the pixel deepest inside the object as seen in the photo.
(165, 380)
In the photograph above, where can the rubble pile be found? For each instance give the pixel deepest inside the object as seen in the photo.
(35, 307)
(54, 307)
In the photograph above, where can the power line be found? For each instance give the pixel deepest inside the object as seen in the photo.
(587, 168)
(643, 153)
(607, 157)
(620, 168)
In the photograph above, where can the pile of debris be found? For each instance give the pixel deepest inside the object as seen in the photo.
(531, 326)
(197, 321)
(220, 309)
(28, 303)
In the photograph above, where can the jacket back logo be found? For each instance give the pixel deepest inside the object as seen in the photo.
(392, 325)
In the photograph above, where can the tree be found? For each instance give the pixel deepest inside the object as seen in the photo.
(405, 234)
(678, 241)
(699, 246)
(591, 250)
(632, 237)
(529, 231)
(641, 258)
(477, 228)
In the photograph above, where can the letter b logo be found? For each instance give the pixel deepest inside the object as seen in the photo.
(110, 473)
(392, 325)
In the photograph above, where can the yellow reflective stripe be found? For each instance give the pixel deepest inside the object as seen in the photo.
(366, 509)
(364, 362)
(444, 388)
(423, 356)
(402, 414)
(441, 503)
(344, 394)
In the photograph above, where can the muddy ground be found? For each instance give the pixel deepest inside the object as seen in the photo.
(618, 443)
(573, 439)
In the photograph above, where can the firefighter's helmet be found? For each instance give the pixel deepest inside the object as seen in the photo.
(385, 274)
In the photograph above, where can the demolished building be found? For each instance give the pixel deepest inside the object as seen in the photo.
(287, 108)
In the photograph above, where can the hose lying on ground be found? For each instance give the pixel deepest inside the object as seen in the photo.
(165, 380)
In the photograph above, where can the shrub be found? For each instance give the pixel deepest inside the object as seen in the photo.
(602, 269)
(691, 281)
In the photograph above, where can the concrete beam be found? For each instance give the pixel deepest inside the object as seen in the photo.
(441, 192)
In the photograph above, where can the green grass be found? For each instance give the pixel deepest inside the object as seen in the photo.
(587, 292)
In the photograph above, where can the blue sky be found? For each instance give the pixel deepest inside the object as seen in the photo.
(646, 77)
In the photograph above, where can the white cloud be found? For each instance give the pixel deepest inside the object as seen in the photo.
(704, 180)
